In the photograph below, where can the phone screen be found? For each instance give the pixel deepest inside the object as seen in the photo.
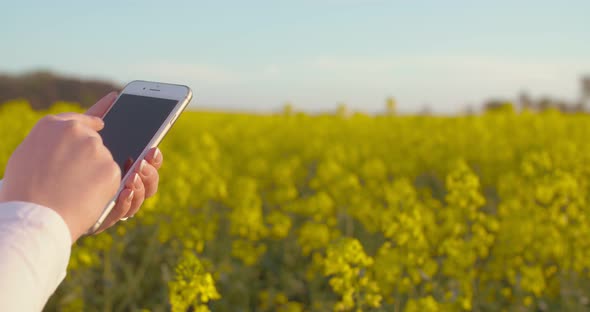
(130, 125)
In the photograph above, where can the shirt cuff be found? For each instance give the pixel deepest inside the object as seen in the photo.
(45, 222)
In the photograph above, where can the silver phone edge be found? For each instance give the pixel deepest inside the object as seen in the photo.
(105, 212)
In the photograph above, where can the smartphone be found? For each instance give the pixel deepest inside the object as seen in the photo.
(137, 121)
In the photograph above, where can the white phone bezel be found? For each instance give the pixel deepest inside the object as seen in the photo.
(182, 94)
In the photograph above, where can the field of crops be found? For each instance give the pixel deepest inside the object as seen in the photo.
(291, 212)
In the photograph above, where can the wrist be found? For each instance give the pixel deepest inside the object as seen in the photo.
(75, 233)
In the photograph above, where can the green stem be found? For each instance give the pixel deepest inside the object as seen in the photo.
(106, 280)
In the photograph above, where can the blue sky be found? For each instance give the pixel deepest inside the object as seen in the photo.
(255, 55)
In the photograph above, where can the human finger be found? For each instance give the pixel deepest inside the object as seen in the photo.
(155, 158)
(121, 208)
(102, 106)
(139, 197)
(92, 122)
(150, 178)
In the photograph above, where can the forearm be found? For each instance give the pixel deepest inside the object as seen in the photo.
(35, 248)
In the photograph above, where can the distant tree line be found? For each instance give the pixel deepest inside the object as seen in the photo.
(41, 89)
(526, 102)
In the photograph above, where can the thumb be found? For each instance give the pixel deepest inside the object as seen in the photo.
(101, 107)
(92, 122)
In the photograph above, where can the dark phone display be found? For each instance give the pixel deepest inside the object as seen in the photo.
(130, 125)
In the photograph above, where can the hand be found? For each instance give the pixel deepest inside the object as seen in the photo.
(140, 185)
(62, 164)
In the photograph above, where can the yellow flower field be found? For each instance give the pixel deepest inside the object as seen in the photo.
(292, 212)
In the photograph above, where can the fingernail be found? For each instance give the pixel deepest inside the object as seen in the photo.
(130, 196)
(136, 181)
(155, 160)
(143, 168)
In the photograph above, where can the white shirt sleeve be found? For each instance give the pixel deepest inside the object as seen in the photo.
(35, 246)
